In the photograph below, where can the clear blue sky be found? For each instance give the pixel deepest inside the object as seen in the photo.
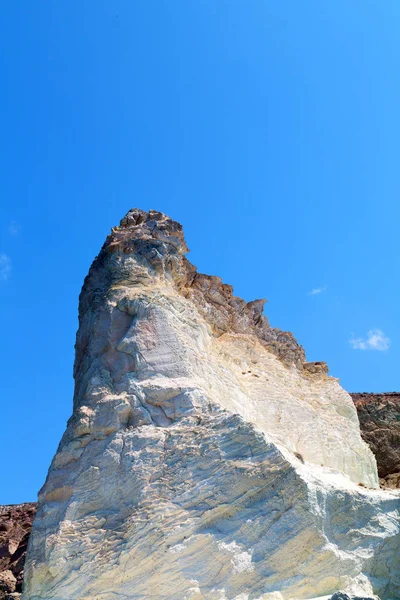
(269, 129)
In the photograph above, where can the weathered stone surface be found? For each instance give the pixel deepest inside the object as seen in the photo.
(11, 517)
(8, 583)
(379, 416)
(204, 458)
(15, 526)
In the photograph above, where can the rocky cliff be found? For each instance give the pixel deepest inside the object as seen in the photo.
(379, 416)
(205, 459)
(15, 526)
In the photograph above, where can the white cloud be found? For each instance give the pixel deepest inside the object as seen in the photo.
(375, 340)
(317, 291)
(5, 266)
(13, 228)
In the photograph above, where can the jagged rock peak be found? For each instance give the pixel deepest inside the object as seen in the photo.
(149, 245)
(153, 225)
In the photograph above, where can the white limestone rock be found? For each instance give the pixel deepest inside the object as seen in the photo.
(205, 459)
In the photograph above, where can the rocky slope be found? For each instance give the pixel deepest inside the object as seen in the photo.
(205, 459)
(379, 422)
(15, 526)
(379, 416)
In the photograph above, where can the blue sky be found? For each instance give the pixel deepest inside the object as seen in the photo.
(269, 129)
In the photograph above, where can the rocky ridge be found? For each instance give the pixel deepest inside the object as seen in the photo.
(205, 459)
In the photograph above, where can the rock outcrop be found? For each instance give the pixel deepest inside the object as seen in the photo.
(379, 416)
(205, 459)
(15, 527)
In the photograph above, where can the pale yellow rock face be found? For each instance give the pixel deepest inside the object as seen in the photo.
(204, 458)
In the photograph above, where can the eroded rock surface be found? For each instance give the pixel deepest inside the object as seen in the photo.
(15, 526)
(379, 416)
(205, 459)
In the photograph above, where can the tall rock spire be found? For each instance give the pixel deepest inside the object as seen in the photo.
(204, 457)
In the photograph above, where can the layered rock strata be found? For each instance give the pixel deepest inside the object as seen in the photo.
(379, 416)
(15, 526)
(205, 459)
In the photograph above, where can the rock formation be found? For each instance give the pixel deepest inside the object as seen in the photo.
(379, 422)
(205, 459)
(15, 526)
(379, 416)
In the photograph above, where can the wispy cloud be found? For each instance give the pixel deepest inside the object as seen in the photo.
(316, 291)
(5, 266)
(375, 340)
(13, 228)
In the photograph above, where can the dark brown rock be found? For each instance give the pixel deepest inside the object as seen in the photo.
(15, 527)
(316, 367)
(8, 582)
(379, 416)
